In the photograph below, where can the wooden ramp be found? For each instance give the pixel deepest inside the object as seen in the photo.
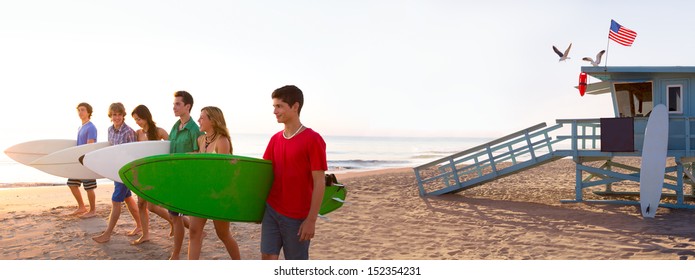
(534, 146)
(510, 154)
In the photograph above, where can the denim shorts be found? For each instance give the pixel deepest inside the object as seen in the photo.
(278, 231)
(120, 192)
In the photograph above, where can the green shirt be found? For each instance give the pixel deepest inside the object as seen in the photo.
(186, 139)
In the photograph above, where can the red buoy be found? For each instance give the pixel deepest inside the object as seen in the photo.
(582, 83)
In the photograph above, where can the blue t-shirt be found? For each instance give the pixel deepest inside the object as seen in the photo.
(86, 131)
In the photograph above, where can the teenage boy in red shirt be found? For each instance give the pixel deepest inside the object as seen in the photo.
(298, 154)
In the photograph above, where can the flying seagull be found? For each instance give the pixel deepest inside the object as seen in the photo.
(598, 58)
(563, 56)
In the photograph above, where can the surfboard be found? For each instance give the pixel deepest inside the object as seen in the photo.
(65, 163)
(27, 152)
(333, 198)
(107, 161)
(653, 160)
(213, 186)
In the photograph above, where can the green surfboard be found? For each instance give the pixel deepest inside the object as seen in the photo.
(213, 186)
(333, 198)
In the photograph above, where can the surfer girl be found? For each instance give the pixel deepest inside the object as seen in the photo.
(149, 132)
(86, 134)
(216, 140)
(298, 154)
(120, 133)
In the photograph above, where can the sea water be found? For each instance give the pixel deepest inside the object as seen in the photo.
(344, 153)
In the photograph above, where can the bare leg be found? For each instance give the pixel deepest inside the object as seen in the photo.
(113, 218)
(269, 257)
(159, 211)
(179, 231)
(81, 209)
(186, 222)
(222, 230)
(164, 214)
(92, 205)
(195, 236)
(133, 209)
(145, 221)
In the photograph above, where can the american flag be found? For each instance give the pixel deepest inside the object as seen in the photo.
(621, 34)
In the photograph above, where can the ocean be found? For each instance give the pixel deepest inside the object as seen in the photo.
(344, 153)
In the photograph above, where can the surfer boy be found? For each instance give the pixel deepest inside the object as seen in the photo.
(298, 154)
(120, 133)
(216, 140)
(183, 139)
(86, 134)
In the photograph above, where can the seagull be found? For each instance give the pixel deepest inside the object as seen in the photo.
(598, 58)
(563, 56)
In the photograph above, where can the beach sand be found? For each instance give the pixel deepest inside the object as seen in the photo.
(516, 217)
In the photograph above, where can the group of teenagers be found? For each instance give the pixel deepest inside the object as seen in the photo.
(297, 153)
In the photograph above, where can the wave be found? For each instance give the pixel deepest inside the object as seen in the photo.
(429, 156)
(364, 164)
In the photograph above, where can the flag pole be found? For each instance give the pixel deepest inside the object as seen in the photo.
(605, 64)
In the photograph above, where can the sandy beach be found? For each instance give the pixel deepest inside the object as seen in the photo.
(519, 217)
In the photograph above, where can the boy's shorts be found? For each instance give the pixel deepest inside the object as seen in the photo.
(175, 214)
(120, 192)
(88, 184)
(278, 231)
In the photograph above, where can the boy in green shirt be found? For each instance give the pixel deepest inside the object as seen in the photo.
(184, 139)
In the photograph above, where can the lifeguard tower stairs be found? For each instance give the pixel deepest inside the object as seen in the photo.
(593, 144)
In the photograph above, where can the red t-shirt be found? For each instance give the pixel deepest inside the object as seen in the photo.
(293, 160)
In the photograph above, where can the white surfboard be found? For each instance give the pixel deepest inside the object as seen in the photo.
(65, 163)
(107, 161)
(27, 152)
(653, 160)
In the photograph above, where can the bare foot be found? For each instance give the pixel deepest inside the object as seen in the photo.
(88, 215)
(103, 238)
(173, 257)
(134, 232)
(140, 240)
(78, 212)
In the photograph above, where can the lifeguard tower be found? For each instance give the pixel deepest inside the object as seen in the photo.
(634, 91)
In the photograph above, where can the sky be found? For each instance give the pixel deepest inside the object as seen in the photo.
(367, 68)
